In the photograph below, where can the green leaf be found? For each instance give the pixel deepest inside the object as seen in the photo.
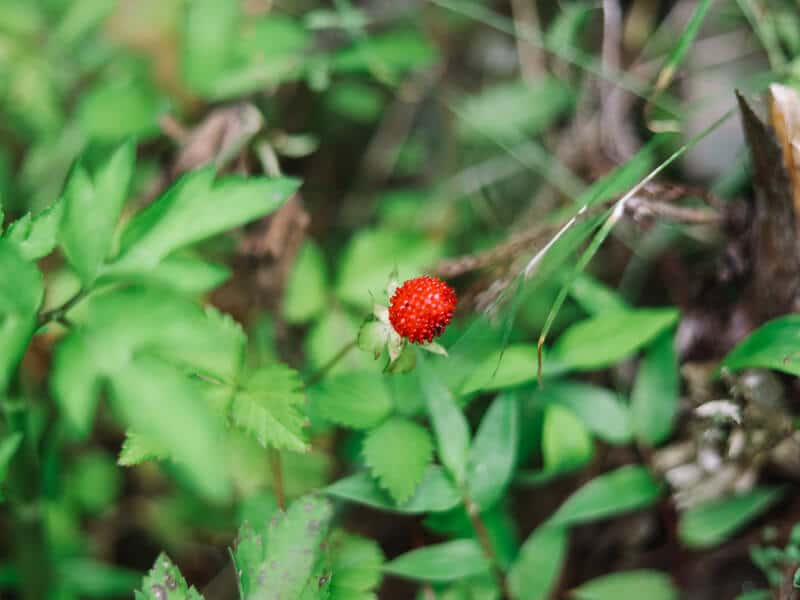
(133, 94)
(654, 399)
(209, 36)
(361, 102)
(306, 288)
(397, 453)
(628, 585)
(372, 255)
(36, 237)
(20, 296)
(268, 405)
(714, 522)
(89, 578)
(566, 444)
(182, 273)
(138, 448)
(449, 424)
(283, 558)
(79, 19)
(435, 493)
(145, 344)
(513, 366)
(539, 563)
(774, 345)
(494, 451)
(527, 110)
(92, 206)
(387, 54)
(599, 409)
(357, 566)
(8, 448)
(164, 580)
(440, 563)
(622, 490)
(161, 403)
(357, 400)
(194, 209)
(595, 297)
(93, 482)
(608, 338)
(328, 336)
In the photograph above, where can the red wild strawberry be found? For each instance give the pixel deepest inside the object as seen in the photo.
(421, 308)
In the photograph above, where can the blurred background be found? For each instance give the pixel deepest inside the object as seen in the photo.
(446, 136)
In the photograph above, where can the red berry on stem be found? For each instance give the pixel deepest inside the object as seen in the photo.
(421, 308)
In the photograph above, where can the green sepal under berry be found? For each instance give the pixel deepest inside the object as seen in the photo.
(165, 582)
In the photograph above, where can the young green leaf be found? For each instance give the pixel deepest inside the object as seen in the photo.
(449, 424)
(90, 578)
(138, 448)
(182, 273)
(440, 563)
(397, 453)
(714, 522)
(513, 366)
(628, 585)
(161, 403)
(164, 580)
(283, 558)
(539, 563)
(144, 343)
(654, 399)
(35, 237)
(268, 405)
(20, 296)
(357, 564)
(599, 409)
(622, 490)
(566, 443)
(359, 400)
(194, 209)
(774, 345)
(306, 288)
(595, 297)
(435, 493)
(92, 206)
(387, 54)
(604, 340)
(527, 110)
(494, 451)
(209, 36)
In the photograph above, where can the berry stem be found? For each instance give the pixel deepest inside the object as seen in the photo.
(323, 370)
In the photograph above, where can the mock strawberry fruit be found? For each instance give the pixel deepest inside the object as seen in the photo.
(421, 308)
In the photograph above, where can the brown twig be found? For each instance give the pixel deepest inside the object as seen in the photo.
(531, 59)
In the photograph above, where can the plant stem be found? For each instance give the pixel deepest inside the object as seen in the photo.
(59, 313)
(474, 514)
(27, 509)
(277, 477)
(323, 370)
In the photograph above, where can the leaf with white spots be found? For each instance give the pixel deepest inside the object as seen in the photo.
(284, 558)
(165, 582)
